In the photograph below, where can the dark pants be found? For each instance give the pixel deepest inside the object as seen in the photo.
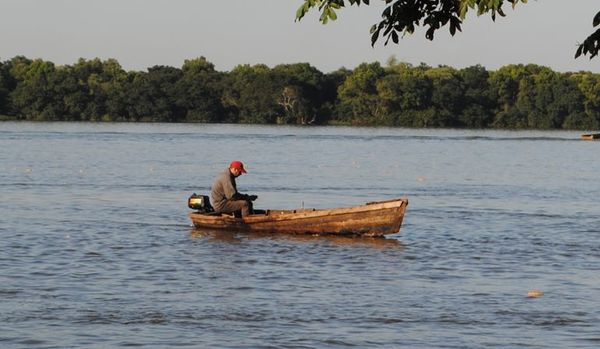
(237, 206)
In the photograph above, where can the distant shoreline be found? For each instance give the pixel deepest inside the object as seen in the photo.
(4, 118)
(515, 96)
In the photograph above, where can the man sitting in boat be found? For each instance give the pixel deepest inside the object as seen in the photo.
(224, 195)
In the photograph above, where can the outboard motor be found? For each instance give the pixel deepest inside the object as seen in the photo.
(200, 203)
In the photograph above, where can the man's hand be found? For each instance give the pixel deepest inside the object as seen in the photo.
(239, 196)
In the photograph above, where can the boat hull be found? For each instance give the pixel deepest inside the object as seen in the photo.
(373, 219)
(591, 137)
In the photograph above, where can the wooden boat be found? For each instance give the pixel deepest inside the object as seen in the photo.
(590, 136)
(372, 219)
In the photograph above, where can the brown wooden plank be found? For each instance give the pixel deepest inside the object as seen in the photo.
(374, 219)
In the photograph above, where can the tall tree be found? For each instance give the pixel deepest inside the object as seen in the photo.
(358, 94)
(589, 85)
(32, 96)
(199, 91)
(5, 87)
(152, 95)
(331, 83)
(479, 105)
(103, 83)
(110, 89)
(405, 95)
(251, 94)
(447, 95)
(504, 84)
(301, 92)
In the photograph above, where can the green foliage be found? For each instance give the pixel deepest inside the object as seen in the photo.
(591, 44)
(478, 100)
(493, 7)
(535, 97)
(401, 17)
(301, 92)
(399, 94)
(5, 87)
(447, 94)
(405, 93)
(199, 90)
(358, 94)
(331, 83)
(152, 96)
(581, 121)
(35, 91)
(251, 94)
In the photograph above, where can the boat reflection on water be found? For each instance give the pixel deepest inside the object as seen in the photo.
(237, 237)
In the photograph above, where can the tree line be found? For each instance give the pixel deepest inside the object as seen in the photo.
(515, 96)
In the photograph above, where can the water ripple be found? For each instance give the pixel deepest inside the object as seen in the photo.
(97, 250)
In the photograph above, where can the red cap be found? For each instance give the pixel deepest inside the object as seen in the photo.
(238, 165)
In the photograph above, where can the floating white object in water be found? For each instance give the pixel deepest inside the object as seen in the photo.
(421, 179)
(534, 293)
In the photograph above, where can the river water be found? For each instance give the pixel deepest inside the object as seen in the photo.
(96, 250)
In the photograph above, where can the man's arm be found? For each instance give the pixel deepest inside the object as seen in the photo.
(247, 197)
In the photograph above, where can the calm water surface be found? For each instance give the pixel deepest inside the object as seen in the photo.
(96, 250)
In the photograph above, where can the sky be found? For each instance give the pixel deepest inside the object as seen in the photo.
(144, 33)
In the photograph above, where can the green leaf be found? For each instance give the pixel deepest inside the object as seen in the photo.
(515, 2)
(324, 16)
(464, 8)
(481, 10)
(596, 19)
(386, 12)
(375, 36)
(454, 25)
(301, 11)
(332, 15)
(579, 51)
(429, 33)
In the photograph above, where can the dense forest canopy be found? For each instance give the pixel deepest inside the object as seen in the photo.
(397, 94)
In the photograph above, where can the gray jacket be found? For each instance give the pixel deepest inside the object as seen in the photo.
(223, 190)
